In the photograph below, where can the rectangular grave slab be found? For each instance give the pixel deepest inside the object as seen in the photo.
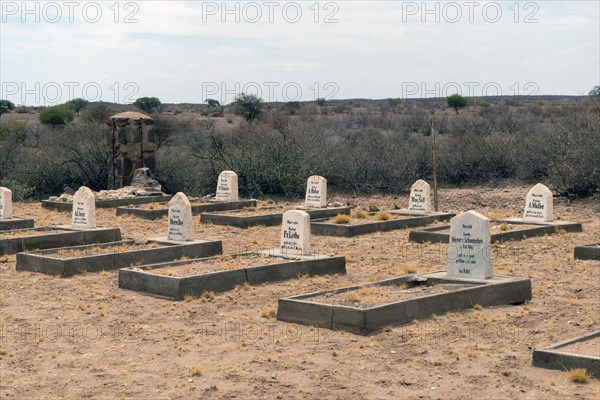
(162, 209)
(237, 219)
(440, 234)
(15, 223)
(580, 352)
(304, 309)
(149, 280)
(87, 258)
(408, 220)
(567, 226)
(112, 203)
(54, 236)
(587, 252)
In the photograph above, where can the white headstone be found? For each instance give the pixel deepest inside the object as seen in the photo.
(538, 204)
(420, 197)
(316, 192)
(469, 251)
(180, 218)
(227, 186)
(295, 233)
(84, 209)
(5, 203)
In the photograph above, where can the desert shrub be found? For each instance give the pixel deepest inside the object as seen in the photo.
(20, 190)
(99, 113)
(58, 115)
(47, 159)
(342, 219)
(365, 148)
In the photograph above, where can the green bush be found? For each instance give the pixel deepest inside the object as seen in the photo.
(20, 191)
(58, 115)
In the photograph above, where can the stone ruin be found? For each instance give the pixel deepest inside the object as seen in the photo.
(132, 146)
(141, 185)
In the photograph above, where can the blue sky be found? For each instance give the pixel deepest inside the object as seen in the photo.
(189, 51)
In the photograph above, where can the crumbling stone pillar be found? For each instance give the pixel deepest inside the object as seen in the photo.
(132, 146)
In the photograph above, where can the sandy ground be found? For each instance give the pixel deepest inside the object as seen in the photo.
(82, 337)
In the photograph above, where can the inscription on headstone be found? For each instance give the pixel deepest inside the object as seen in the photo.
(5, 203)
(420, 197)
(295, 233)
(180, 218)
(538, 204)
(84, 209)
(469, 251)
(227, 186)
(316, 192)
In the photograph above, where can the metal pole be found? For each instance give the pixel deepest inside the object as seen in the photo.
(142, 144)
(434, 164)
(113, 184)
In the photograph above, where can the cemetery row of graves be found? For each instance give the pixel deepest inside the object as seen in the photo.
(177, 264)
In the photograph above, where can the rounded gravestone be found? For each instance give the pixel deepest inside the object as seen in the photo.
(180, 218)
(469, 250)
(295, 233)
(316, 192)
(538, 204)
(5, 203)
(84, 209)
(227, 186)
(420, 197)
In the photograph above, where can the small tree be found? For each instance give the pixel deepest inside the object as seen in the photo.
(6, 106)
(58, 115)
(98, 113)
(594, 96)
(147, 104)
(248, 106)
(78, 104)
(212, 103)
(292, 107)
(394, 102)
(321, 101)
(456, 101)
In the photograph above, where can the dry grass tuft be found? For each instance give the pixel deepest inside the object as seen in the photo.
(503, 226)
(409, 268)
(579, 375)
(359, 214)
(383, 216)
(268, 312)
(342, 219)
(196, 371)
(353, 297)
(477, 307)
(208, 296)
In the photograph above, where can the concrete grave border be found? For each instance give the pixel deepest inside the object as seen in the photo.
(209, 206)
(230, 218)
(68, 206)
(321, 228)
(68, 236)
(552, 357)
(176, 288)
(11, 224)
(587, 252)
(485, 292)
(170, 250)
(432, 235)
